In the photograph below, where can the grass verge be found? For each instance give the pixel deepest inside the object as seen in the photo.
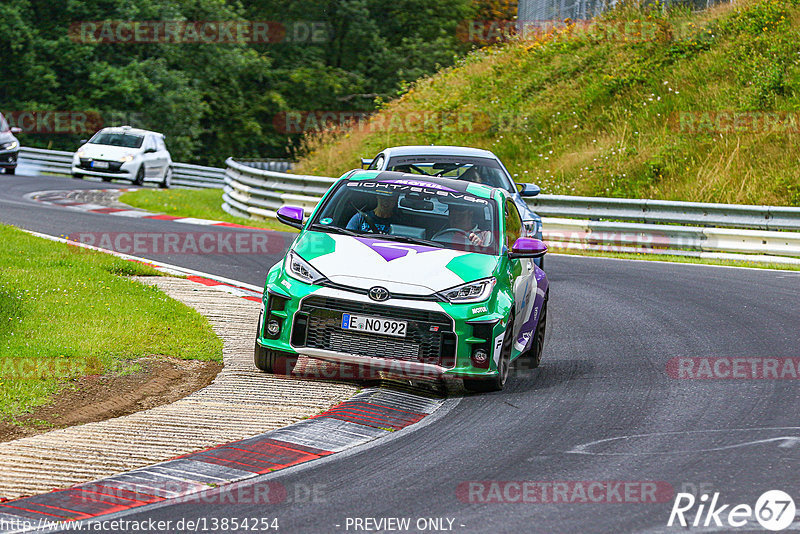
(67, 312)
(649, 103)
(198, 203)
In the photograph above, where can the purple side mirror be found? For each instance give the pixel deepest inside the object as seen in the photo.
(291, 215)
(527, 247)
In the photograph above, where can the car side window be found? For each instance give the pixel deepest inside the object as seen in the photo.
(513, 223)
(377, 163)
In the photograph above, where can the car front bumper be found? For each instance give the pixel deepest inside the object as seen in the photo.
(8, 159)
(116, 169)
(440, 342)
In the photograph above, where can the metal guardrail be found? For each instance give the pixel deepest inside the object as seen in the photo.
(183, 174)
(722, 231)
(667, 212)
(253, 192)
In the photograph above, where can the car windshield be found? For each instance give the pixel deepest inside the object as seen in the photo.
(117, 139)
(411, 211)
(480, 170)
(3, 124)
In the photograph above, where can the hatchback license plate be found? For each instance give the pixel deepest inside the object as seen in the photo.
(374, 325)
(99, 164)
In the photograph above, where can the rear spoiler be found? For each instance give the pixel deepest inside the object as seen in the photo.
(365, 163)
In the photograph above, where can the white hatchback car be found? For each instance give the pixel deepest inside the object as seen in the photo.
(126, 153)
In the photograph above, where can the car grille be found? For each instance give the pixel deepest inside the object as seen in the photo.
(113, 166)
(429, 336)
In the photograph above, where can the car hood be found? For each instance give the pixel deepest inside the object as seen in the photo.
(6, 137)
(365, 262)
(107, 151)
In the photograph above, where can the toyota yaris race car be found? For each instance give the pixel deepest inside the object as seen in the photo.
(425, 277)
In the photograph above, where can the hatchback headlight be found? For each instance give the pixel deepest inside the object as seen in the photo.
(471, 292)
(126, 158)
(300, 269)
(10, 146)
(531, 227)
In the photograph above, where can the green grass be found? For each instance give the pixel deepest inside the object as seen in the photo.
(198, 203)
(675, 259)
(67, 312)
(580, 113)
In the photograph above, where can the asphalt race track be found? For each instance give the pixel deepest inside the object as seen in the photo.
(603, 409)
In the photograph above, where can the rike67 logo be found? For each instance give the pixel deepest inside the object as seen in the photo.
(774, 510)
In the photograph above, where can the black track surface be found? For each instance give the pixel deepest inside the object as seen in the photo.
(613, 326)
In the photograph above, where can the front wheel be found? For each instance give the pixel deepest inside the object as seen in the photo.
(139, 179)
(77, 176)
(534, 353)
(272, 361)
(167, 181)
(498, 382)
(11, 170)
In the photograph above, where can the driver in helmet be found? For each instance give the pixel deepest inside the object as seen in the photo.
(378, 220)
(465, 218)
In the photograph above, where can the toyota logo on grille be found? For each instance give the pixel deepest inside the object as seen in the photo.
(379, 293)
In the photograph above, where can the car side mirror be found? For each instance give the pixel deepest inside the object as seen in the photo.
(291, 216)
(528, 190)
(365, 163)
(16, 130)
(527, 247)
(149, 150)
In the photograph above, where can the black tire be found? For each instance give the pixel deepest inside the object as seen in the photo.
(77, 176)
(139, 179)
(498, 382)
(541, 263)
(534, 353)
(11, 170)
(272, 361)
(105, 178)
(167, 181)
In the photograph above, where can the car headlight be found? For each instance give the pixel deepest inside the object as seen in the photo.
(471, 292)
(300, 269)
(10, 146)
(531, 227)
(80, 153)
(126, 159)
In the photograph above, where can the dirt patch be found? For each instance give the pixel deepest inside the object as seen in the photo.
(156, 380)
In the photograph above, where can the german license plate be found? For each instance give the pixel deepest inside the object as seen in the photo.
(99, 164)
(374, 325)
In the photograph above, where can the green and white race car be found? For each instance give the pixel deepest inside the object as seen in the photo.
(417, 276)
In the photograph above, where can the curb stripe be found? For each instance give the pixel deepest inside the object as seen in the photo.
(64, 200)
(371, 414)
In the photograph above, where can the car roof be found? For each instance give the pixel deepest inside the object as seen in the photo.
(128, 129)
(437, 150)
(473, 188)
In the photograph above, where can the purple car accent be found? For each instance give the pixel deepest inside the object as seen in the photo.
(391, 251)
(528, 245)
(530, 325)
(293, 213)
(420, 183)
